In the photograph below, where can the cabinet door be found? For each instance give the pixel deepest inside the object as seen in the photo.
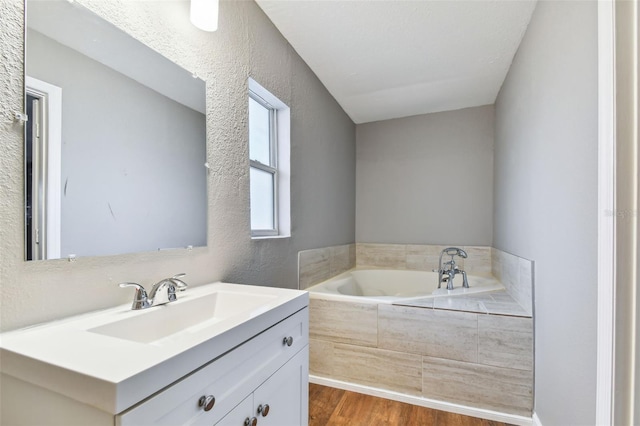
(238, 415)
(286, 393)
(229, 379)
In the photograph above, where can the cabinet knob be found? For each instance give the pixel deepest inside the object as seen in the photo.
(263, 409)
(207, 402)
(250, 421)
(287, 341)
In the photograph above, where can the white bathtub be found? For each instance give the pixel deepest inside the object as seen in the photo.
(389, 286)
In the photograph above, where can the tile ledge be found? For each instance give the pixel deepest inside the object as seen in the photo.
(510, 311)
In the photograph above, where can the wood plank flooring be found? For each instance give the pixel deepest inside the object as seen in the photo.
(336, 407)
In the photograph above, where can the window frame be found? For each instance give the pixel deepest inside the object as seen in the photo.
(271, 168)
(281, 137)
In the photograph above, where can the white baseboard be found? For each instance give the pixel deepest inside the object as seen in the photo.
(536, 420)
(426, 402)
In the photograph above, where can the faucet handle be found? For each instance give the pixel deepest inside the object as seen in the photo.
(140, 300)
(138, 287)
(451, 251)
(455, 251)
(180, 285)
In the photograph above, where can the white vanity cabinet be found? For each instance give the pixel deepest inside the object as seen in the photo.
(263, 369)
(218, 370)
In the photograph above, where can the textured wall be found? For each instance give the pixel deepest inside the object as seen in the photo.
(246, 44)
(546, 198)
(426, 179)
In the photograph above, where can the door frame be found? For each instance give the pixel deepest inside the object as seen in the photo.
(53, 133)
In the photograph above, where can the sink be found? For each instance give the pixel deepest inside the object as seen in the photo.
(187, 315)
(114, 358)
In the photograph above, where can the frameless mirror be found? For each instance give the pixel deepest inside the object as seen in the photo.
(115, 142)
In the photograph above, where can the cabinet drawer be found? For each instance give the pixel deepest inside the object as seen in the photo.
(230, 378)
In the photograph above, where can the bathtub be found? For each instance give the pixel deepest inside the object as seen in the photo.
(379, 332)
(390, 286)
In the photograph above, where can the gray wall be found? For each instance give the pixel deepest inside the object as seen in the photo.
(322, 162)
(426, 179)
(546, 198)
(132, 159)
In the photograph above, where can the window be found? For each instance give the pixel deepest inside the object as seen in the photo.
(269, 163)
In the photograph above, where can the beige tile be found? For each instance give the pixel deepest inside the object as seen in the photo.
(422, 263)
(505, 341)
(381, 255)
(496, 263)
(423, 257)
(313, 267)
(427, 302)
(339, 260)
(352, 256)
(510, 271)
(516, 274)
(525, 272)
(494, 388)
(345, 322)
(379, 368)
(445, 334)
(495, 302)
(525, 284)
(506, 308)
(501, 296)
(424, 249)
(321, 356)
(461, 304)
(478, 261)
(501, 303)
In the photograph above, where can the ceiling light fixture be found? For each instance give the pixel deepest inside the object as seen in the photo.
(204, 14)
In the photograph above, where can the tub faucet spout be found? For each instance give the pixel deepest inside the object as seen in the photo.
(448, 270)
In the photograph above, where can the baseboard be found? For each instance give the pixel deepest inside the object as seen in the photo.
(535, 420)
(425, 402)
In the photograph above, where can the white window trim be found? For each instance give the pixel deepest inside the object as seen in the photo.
(281, 135)
(272, 167)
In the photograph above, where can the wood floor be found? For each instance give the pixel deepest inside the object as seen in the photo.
(336, 407)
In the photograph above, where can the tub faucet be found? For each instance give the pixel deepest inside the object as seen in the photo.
(448, 270)
(164, 291)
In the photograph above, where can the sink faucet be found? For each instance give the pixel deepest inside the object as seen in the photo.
(164, 291)
(448, 270)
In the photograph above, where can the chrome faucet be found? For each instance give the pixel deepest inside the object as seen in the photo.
(164, 291)
(448, 270)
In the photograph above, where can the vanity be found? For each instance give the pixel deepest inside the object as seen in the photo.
(222, 354)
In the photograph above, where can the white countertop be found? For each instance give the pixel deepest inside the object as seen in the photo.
(112, 373)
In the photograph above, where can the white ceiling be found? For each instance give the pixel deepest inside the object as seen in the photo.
(385, 59)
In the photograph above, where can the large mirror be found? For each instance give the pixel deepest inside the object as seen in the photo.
(115, 145)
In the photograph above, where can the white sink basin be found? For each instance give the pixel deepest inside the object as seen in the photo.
(183, 316)
(113, 359)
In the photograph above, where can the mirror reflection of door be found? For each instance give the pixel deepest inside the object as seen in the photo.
(33, 156)
(42, 170)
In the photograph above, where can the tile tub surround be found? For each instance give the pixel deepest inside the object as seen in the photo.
(473, 350)
(516, 274)
(317, 265)
(420, 257)
(475, 359)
